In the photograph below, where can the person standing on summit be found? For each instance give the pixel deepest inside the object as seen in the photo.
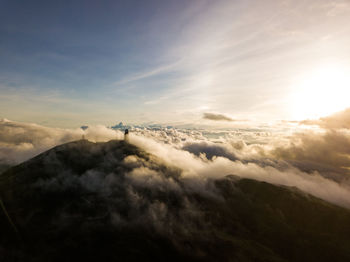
(126, 135)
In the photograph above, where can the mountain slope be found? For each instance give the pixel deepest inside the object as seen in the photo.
(112, 201)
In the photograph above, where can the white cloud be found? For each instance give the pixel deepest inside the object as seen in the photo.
(294, 161)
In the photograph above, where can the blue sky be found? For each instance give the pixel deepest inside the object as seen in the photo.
(65, 63)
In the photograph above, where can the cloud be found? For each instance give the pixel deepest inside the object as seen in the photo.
(210, 150)
(314, 162)
(154, 72)
(217, 117)
(167, 183)
(196, 170)
(21, 141)
(325, 152)
(338, 120)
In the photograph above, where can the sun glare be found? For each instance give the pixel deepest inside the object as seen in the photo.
(325, 91)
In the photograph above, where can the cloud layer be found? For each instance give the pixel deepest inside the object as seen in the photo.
(316, 162)
(116, 199)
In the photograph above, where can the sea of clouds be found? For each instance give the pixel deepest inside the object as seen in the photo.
(314, 160)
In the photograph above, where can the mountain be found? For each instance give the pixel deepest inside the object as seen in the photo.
(120, 126)
(4, 167)
(85, 201)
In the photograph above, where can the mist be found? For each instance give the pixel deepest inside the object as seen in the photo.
(314, 162)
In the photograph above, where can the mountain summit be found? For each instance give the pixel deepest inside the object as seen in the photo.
(112, 201)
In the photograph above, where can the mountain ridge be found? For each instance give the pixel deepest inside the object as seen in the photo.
(112, 200)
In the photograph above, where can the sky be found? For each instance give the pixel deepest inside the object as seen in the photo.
(276, 74)
(68, 63)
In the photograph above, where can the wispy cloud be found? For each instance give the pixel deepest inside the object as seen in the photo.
(146, 74)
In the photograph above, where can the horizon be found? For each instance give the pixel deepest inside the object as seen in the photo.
(237, 116)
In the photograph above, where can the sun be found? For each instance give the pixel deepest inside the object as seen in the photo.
(324, 91)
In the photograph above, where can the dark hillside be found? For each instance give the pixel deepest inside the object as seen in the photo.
(112, 201)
